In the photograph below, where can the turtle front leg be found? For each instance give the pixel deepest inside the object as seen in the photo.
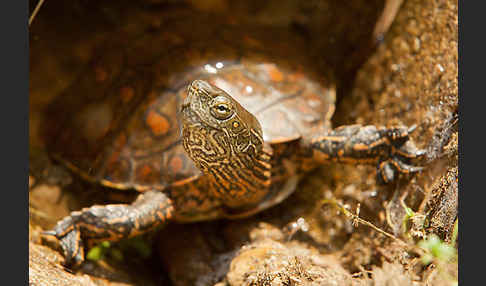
(389, 148)
(110, 222)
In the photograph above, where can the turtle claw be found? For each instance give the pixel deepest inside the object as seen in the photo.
(387, 170)
(69, 237)
(49, 232)
(407, 150)
(386, 173)
(73, 248)
(420, 153)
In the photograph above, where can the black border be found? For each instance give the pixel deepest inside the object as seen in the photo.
(469, 213)
(15, 141)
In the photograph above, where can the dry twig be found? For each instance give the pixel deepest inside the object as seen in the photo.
(36, 10)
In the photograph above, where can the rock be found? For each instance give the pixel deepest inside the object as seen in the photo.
(266, 261)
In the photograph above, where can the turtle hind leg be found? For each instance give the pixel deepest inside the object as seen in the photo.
(389, 148)
(110, 222)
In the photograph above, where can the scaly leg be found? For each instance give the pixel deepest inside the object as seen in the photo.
(110, 222)
(389, 148)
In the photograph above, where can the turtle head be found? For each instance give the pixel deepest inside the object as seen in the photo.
(213, 115)
(221, 136)
(212, 107)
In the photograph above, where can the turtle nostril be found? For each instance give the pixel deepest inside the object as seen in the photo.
(200, 86)
(196, 84)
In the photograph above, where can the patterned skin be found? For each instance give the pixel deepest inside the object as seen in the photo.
(249, 132)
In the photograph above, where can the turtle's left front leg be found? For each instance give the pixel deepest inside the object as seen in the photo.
(389, 148)
(110, 222)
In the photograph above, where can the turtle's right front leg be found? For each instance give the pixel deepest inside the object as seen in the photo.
(110, 222)
(389, 148)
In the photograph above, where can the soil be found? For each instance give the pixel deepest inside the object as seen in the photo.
(403, 73)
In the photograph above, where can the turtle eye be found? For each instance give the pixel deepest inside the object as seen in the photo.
(221, 109)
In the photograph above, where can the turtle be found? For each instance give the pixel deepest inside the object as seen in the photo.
(218, 139)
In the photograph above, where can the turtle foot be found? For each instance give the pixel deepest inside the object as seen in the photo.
(69, 237)
(390, 148)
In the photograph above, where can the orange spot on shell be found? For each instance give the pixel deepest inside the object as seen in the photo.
(176, 164)
(275, 73)
(126, 93)
(147, 174)
(100, 74)
(158, 124)
(144, 171)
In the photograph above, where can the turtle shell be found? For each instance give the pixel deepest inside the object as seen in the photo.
(119, 123)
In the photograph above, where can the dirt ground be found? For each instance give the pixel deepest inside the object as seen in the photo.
(339, 227)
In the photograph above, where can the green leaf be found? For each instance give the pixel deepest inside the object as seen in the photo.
(95, 253)
(436, 249)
